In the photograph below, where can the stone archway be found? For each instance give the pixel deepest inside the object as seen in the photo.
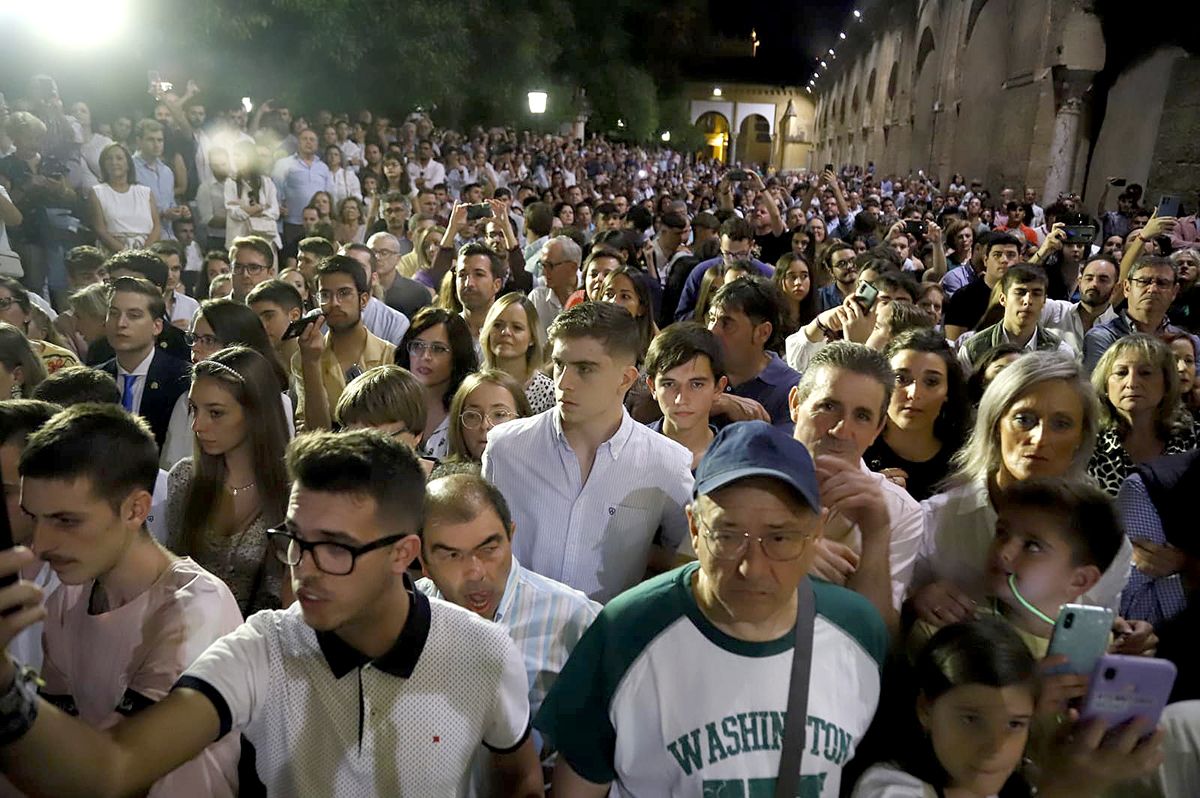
(714, 126)
(754, 141)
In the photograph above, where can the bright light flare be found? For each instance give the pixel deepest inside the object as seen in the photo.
(666, 136)
(77, 24)
(716, 91)
(537, 102)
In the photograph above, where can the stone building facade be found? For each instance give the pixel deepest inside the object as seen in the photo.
(1013, 92)
(753, 124)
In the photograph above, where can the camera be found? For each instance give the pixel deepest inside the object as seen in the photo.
(1069, 621)
(916, 227)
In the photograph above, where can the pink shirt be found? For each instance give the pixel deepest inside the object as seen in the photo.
(113, 663)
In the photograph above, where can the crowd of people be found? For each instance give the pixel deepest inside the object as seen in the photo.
(350, 455)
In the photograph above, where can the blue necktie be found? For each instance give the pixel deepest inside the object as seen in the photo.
(127, 392)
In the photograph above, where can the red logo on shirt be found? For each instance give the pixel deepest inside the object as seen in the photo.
(437, 739)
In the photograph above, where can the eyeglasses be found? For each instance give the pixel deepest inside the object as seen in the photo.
(385, 253)
(735, 255)
(6, 302)
(779, 546)
(1159, 282)
(418, 348)
(471, 419)
(207, 341)
(341, 295)
(248, 268)
(335, 559)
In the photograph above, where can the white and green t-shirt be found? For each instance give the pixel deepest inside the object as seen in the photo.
(657, 700)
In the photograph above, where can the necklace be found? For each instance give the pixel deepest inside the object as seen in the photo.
(235, 491)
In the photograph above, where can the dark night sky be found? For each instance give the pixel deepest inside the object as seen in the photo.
(792, 32)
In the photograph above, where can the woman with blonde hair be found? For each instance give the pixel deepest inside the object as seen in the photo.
(222, 500)
(425, 247)
(1141, 415)
(485, 399)
(21, 370)
(511, 342)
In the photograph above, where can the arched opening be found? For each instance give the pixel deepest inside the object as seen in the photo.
(985, 54)
(973, 17)
(715, 128)
(924, 95)
(754, 141)
(871, 89)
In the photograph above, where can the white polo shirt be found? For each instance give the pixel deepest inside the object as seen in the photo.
(326, 720)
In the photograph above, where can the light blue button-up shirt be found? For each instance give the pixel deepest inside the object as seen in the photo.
(595, 536)
(297, 181)
(161, 180)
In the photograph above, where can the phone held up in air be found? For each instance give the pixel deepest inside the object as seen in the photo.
(296, 328)
(866, 295)
(1080, 233)
(479, 211)
(829, 167)
(1081, 634)
(1169, 205)
(1118, 182)
(1123, 688)
(916, 227)
(737, 175)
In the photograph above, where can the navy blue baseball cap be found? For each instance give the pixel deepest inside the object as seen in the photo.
(757, 449)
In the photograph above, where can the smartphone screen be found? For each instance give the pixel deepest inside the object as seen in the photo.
(296, 328)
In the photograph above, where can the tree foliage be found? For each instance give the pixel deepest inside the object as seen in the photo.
(472, 61)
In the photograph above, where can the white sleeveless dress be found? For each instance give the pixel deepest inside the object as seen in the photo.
(127, 214)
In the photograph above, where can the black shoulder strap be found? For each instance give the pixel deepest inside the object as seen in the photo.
(796, 723)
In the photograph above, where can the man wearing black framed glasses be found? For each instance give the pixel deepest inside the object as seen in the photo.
(363, 687)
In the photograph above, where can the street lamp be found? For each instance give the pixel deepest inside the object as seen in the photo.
(666, 136)
(537, 102)
(716, 91)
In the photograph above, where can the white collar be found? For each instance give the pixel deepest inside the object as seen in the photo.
(142, 369)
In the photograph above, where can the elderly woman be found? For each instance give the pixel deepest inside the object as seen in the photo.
(1038, 418)
(1141, 415)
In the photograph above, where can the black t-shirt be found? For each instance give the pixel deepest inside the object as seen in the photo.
(968, 304)
(772, 247)
(923, 478)
(1185, 312)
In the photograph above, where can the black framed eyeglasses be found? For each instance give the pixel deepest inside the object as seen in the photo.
(335, 559)
(209, 341)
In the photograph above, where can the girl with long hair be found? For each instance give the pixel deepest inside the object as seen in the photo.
(21, 370)
(793, 278)
(222, 500)
(486, 399)
(440, 352)
(511, 342)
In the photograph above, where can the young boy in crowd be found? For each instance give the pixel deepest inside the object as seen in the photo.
(389, 399)
(686, 375)
(277, 304)
(1054, 539)
(130, 615)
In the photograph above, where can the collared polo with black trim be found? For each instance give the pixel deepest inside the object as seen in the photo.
(326, 719)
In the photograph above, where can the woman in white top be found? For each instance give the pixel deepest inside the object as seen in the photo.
(124, 215)
(251, 201)
(1038, 418)
(345, 182)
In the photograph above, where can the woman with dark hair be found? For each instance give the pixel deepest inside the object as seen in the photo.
(628, 288)
(1183, 346)
(222, 323)
(979, 670)
(994, 361)
(18, 309)
(565, 213)
(440, 352)
(21, 370)
(350, 227)
(395, 177)
(927, 417)
(251, 201)
(793, 278)
(123, 215)
(222, 500)
(345, 182)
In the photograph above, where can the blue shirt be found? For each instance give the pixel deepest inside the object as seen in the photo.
(691, 288)
(160, 179)
(828, 296)
(956, 278)
(594, 536)
(771, 389)
(298, 181)
(544, 618)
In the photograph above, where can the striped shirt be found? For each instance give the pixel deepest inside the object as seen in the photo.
(545, 620)
(1147, 598)
(594, 536)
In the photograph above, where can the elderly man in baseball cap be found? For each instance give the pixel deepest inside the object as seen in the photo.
(683, 684)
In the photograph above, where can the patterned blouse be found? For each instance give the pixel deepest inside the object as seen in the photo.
(1111, 465)
(241, 560)
(540, 392)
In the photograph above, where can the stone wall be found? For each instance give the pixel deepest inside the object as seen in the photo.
(1004, 91)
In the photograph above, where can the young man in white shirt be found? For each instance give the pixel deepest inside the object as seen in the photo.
(428, 681)
(130, 616)
(589, 487)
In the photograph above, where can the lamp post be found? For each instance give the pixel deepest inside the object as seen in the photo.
(537, 102)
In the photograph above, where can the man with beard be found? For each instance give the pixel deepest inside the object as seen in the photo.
(1023, 295)
(477, 280)
(1070, 321)
(466, 554)
(1151, 286)
(325, 363)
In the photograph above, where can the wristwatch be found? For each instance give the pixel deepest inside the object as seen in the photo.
(19, 706)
